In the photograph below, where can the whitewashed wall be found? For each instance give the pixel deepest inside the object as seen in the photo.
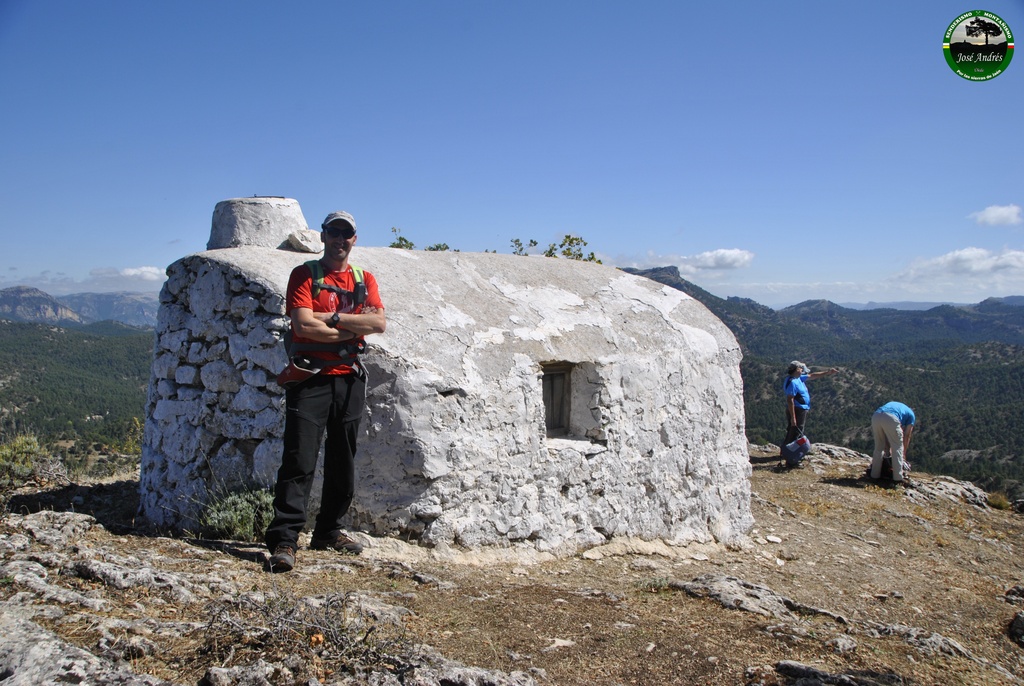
(454, 450)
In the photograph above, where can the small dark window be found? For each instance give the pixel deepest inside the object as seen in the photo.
(557, 390)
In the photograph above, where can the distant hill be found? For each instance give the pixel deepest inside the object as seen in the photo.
(903, 331)
(898, 305)
(829, 334)
(136, 309)
(26, 304)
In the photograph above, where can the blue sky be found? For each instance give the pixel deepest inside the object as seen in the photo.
(777, 152)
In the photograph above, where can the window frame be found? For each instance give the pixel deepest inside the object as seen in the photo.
(557, 381)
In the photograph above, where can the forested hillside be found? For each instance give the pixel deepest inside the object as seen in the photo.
(969, 401)
(960, 368)
(76, 383)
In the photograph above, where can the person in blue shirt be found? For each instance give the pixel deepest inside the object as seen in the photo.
(798, 398)
(892, 424)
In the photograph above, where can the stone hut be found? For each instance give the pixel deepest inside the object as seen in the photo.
(513, 401)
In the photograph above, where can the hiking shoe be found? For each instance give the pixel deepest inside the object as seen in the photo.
(905, 482)
(283, 559)
(336, 541)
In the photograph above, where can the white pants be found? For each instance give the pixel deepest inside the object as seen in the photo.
(888, 434)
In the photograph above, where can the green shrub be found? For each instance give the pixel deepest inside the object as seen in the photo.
(131, 443)
(240, 516)
(18, 457)
(655, 585)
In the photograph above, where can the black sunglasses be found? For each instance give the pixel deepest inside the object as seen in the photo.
(343, 231)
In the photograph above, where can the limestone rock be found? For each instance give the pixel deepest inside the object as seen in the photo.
(842, 644)
(31, 655)
(40, 554)
(736, 593)
(264, 221)
(1016, 629)
(305, 240)
(807, 675)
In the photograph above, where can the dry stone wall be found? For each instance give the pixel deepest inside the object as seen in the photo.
(455, 449)
(214, 413)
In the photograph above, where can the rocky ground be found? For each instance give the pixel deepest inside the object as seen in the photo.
(842, 582)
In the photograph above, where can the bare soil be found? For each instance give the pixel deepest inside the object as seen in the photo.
(872, 555)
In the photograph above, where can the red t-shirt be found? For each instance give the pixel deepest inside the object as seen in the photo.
(300, 294)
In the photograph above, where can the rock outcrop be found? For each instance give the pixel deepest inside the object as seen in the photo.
(268, 222)
(862, 582)
(513, 400)
(40, 552)
(26, 304)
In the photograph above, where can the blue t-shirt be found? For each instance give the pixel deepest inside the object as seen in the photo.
(900, 411)
(797, 389)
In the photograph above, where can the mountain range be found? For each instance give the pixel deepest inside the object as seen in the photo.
(960, 366)
(879, 325)
(27, 304)
(831, 333)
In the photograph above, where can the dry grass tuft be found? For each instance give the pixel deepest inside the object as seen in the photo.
(999, 501)
(815, 507)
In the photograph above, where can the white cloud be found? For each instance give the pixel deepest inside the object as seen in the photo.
(969, 262)
(99, 280)
(131, 273)
(107, 279)
(965, 275)
(998, 215)
(723, 259)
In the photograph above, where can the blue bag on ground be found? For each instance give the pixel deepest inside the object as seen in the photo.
(793, 453)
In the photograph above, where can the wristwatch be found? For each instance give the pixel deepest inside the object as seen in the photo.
(333, 321)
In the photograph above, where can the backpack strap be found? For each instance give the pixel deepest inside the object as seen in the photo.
(317, 270)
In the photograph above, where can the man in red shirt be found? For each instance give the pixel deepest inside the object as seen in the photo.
(329, 319)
